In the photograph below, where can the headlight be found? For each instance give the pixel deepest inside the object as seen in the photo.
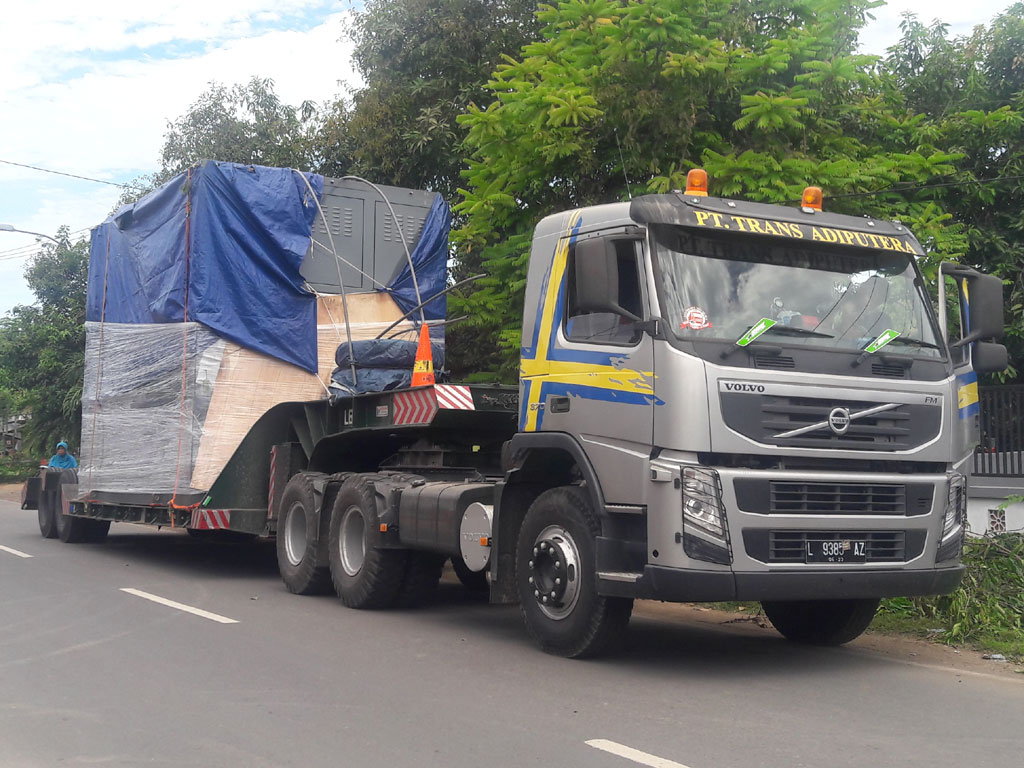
(705, 531)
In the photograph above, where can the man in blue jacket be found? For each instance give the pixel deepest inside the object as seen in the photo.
(62, 459)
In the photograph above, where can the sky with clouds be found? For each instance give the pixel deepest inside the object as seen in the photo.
(88, 88)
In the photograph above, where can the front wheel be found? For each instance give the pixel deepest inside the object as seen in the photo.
(820, 622)
(557, 581)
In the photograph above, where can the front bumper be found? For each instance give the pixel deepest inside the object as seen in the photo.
(682, 585)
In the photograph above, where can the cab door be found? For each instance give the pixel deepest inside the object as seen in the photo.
(594, 373)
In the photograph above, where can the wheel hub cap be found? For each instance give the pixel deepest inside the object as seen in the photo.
(555, 572)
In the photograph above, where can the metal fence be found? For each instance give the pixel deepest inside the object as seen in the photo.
(1001, 453)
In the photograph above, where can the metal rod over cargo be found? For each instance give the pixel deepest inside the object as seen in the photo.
(717, 400)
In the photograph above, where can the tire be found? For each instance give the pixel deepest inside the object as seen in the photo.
(47, 515)
(422, 572)
(577, 622)
(821, 622)
(363, 575)
(300, 550)
(474, 581)
(71, 529)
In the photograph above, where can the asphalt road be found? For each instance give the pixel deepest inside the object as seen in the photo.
(93, 675)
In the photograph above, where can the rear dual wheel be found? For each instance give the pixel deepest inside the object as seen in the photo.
(366, 575)
(301, 551)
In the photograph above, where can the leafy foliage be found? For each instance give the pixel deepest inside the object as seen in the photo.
(42, 346)
(969, 96)
(767, 96)
(988, 607)
(423, 62)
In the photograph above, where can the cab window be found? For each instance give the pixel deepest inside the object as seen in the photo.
(607, 327)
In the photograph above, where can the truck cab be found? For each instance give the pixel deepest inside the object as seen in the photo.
(758, 403)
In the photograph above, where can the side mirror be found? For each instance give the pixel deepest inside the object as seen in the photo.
(597, 278)
(981, 298)
(989, 358)
(985, 306)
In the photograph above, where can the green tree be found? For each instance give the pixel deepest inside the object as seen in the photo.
(970, 93)
(768, 96)
(424, 62)
(244, 124)
(42, 345)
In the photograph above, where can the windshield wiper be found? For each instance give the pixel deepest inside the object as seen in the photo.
(909, 342)
(791, 331)
(767, 325)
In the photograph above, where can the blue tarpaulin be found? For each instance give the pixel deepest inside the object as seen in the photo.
(430, 258)
(236, 260)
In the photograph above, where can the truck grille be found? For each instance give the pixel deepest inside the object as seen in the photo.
(836, 499)
(786, 497)
(769, 419)
(778, 546)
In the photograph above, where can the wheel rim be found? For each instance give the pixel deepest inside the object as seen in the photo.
(295, 540)
(555, 574)
(352, 540)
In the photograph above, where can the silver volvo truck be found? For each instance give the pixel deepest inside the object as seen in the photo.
(745, 402)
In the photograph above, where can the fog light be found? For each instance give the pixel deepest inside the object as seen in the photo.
(705, 531)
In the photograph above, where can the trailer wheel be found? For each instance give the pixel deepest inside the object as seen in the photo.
(71, 529)
(422, 572)
(47, 515)
(474, 581)
(299, 549)
(364, 576)
(820, 622)
(557, 582)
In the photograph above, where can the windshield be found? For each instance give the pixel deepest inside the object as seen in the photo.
(716, 289)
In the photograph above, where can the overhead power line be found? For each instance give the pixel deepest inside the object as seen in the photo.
(912, 187)
(29, 249)
(73, 175)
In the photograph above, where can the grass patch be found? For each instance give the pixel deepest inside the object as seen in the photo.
(17, 469)
(986, 611)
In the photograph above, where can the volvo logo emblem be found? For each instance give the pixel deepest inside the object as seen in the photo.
(839, 420)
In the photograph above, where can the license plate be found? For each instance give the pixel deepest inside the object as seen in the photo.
(836, 551)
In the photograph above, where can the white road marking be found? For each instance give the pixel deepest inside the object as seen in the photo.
(180, 606)
(644, 758)
(14, 552)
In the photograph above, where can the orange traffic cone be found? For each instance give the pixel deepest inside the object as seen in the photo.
(423, 370)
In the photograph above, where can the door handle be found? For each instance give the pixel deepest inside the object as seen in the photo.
(558, 405)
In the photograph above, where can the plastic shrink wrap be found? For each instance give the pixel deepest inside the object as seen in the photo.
(195, 332)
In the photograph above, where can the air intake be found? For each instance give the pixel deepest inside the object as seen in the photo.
(774, 362)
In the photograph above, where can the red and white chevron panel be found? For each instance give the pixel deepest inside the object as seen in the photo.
(417, 406)
(211, 519)
(454, 397)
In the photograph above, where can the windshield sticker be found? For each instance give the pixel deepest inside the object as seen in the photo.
(695, 318)
(881, 341)
(756, 330)
(750, 225)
